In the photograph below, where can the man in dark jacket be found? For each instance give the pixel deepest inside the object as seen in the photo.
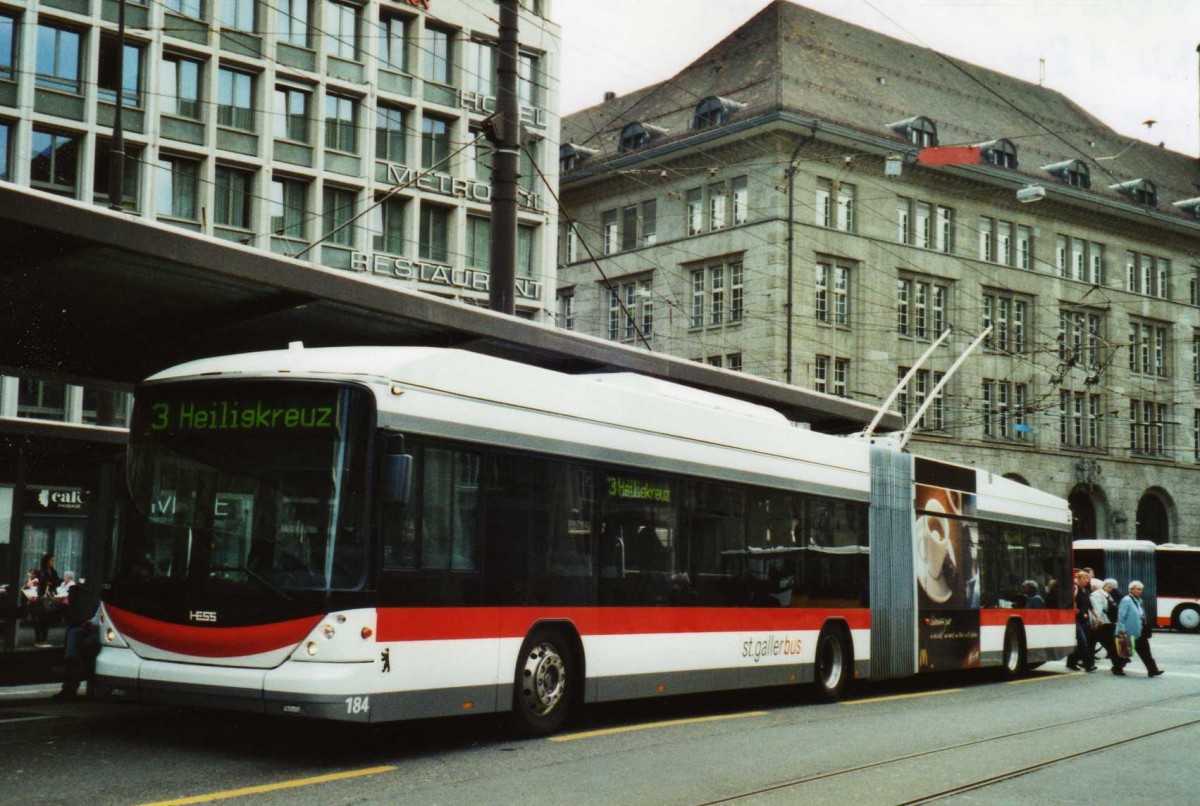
(1083, 655)
(83, 642)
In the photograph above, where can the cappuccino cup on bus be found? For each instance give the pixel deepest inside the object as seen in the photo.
(935, 538)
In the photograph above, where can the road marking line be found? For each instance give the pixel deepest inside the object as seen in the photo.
(591, 734)
(1055, 676)
(904, 696)
(258, 790)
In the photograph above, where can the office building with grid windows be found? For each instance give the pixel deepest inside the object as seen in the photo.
(816, 203)
(346, 134)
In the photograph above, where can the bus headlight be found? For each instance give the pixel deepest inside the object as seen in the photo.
(311, 648)
(329, 631)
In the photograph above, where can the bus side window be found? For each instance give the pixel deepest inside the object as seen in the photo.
(397, 524)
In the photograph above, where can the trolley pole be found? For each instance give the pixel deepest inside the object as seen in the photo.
(116, 153)
(505, 134)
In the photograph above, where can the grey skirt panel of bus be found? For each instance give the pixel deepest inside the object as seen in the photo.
(893, 575)
(1127, 563)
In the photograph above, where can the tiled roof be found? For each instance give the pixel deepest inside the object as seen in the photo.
(792, 58)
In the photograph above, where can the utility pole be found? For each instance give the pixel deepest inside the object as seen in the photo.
(116, 153)
(505, 134)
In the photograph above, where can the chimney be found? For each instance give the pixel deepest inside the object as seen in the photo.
(612, 96)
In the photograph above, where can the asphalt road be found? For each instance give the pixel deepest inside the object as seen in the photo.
(967, 738)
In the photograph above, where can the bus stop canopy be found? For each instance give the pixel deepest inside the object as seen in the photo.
(97, 297)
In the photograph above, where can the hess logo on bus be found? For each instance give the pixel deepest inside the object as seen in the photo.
(206, 616)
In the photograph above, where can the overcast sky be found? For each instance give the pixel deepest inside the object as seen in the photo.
(1125, 61)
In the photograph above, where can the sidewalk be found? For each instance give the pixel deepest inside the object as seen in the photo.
(29, 665)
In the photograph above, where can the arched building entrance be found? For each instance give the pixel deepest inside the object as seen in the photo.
(1089, 513)
(1154, 516)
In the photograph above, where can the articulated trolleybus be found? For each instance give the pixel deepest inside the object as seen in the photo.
(374, 534)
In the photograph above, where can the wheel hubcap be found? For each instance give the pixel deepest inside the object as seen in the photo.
(543, 680)
(1010, 654)
(1189, 619)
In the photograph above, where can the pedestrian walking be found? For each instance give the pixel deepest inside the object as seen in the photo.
(1103, 628)
(1083, 656)
(1131, 624)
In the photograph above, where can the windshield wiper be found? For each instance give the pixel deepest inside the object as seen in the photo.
(251, 573)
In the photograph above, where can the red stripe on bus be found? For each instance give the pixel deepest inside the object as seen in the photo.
(998, 618)
(211, 642)
(457, 623)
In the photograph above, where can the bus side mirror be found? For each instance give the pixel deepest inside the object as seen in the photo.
(397, 478)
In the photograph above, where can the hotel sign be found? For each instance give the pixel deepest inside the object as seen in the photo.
(468, 189)
(402, 268)
(477, 102)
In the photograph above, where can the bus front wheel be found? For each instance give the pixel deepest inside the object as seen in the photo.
(833, 664)
(544, 685)
(1014, 651)
(1186, 618)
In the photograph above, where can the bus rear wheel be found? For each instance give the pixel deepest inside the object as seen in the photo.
(544, 686)
(833, 664)
(1014, 652)
(1186, 618)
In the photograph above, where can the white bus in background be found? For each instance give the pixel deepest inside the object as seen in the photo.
(1178, 586)
(373, 534)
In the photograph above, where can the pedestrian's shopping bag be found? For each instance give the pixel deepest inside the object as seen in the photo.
(1124, 646)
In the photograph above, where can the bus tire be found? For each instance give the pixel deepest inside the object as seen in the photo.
(1186, 618)
(1013, 658)
(544, 687)
(834, 663)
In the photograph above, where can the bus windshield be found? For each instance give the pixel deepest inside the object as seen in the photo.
(248, 482)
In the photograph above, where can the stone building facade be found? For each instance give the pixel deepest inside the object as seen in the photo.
(782, 207)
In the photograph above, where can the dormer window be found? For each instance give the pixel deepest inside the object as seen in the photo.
(1142, 191)
(1001, 153)
(571, 155)
(638, 135)
(920, 131)
(1189, 206)
(713, 111)
(1073, 172)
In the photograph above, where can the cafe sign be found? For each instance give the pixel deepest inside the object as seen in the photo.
(53, 501)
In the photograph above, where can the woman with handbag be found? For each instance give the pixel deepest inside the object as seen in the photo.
(45, 612)
(1103, 630)
(1131, 627)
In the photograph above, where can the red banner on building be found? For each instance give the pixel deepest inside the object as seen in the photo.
(950, 155)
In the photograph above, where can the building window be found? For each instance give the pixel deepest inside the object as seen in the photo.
(945, 229)
(610, 232)
(180, 88)
(107, 78)
(716, 295)
(830, 375)
(41, 400)
(1148, 427)
(434, 238)
(234, 189)
(1196, 435)
(338, 216)
(5, 151)
(1024, 247)
(566, 310)
(649, 222)
(1148, 348)
(1146, 274)
(341, 30)
(835, 205)
(8, 52)
(235, 99)
(387, 226)
(237, 14)
(741, 199)
(1004, 409)
(1196, 357)
(833, 294)
(291, 17)
(694, 211)
(289, 205)
(54, 165)
(736, 292)
(291, 114)
(480, 70)
(105, 407)
(436, 58)
(1079, 420)
(479, 241)
(987, 239)
(389, 134)
(1079, 343)
(629, 228)
(178, 179)
(1006, 315)
(636, 315)
(920, 308)
(904, 233)
(187, 8)
(914, 394)
(341, 124)
(529, 74)
(102, 172)
(718, 207)
(58, 59)
(733, 362)
(395, 42)
(435, 144)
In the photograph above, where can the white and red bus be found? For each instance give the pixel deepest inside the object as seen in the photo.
(1178, 571)
(374, 534)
